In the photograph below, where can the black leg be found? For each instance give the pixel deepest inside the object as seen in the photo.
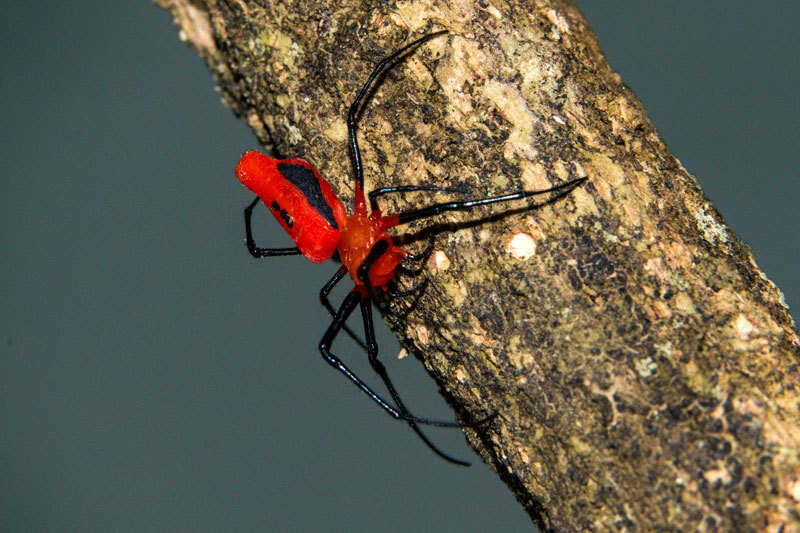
(408, 292)
(385, 305)
(409, 271)
(251, 245)
(558, 191)
(374, 254)
(349, 304)
(377, 366)
(323, 297)
(424, 254)
(384, 65)
(373, 195)
(417, 258)
(395, 318)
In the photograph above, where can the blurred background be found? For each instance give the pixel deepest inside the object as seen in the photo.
(154, 377)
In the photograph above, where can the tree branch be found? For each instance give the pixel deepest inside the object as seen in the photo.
(643, 368)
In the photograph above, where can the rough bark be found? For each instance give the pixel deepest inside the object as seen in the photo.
(643, 369)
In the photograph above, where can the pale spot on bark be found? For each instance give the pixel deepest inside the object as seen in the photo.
(678, 255)
(523, 360)
(744, 328)
(683, 304)
(456, 74)
(521, 246)
(717, 474)
(255, 122)
(523, 454)
(534, 175)
(493, 11)
(749, 406)
(660, 310)
(337, 131)
(195, 27)
(422, 334)
(794, 490)
(712, 230)
(293, 133)
(580, 447)
(557, 20)
(645, 367)
(511, 104)
(440, 261)
(286, 48)
(655, 266)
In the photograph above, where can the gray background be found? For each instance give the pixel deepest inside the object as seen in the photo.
(155, 378)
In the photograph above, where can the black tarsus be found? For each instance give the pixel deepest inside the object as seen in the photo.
(396, 318)
(424, 254)
(251, 245)
(436, 209)
(345, 310)
(377, 366)
(420, 257)
(385, 64)
(408, 292)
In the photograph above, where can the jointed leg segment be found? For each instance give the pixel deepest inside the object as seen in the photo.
(348, 306)
(251, 245)
(323, 297)
(377, 366)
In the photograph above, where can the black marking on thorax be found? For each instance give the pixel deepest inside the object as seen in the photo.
(377, 250)
(306, 182)
(283, 214)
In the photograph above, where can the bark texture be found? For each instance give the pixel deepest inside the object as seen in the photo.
(643, 368)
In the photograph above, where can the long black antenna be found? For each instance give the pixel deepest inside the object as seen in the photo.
(384, 65)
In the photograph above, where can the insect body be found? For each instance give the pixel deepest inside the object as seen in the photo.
(307, 208)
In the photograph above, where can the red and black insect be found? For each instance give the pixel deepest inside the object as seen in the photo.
(306, 206)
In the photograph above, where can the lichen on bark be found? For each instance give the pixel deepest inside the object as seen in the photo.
(643, 369)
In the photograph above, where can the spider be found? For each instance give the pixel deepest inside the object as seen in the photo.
(307, 208)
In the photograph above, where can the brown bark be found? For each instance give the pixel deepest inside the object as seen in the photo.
(643, 368)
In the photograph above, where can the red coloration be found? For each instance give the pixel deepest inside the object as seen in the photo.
(383, 268)
(359, 234)
(314, 236)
